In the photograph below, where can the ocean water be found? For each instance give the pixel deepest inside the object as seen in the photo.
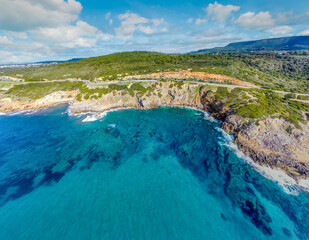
(165, 173)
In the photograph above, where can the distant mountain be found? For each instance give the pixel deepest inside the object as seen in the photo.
(37, 63)
(71, 60)
(273, 44)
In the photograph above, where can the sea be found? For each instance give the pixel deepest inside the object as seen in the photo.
(161, 174)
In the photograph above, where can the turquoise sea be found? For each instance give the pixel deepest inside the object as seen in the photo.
(165, 173)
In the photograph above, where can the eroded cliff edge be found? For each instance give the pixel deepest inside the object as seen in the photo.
(272, 141)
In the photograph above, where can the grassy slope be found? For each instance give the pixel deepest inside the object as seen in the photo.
(274, 71)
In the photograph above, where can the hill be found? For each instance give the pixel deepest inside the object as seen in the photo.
(295, 43)
(275, 71)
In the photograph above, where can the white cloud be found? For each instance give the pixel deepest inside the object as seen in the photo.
(108, 15)
(22, 15)
(4, 40)
(260, 21)
(130, 22)
(157, 22)
(147, 29)
(281, 30)
(80, 35)
(128, 25)
(18, 35)
(190, 20)
(219, 12)
(304, 33)
(33, 29)
(24, 51)
(289, 18)
(8, 57)
(199, 21)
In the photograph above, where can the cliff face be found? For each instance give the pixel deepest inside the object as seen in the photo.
(163, 95)
(274, 142)
(8, 105)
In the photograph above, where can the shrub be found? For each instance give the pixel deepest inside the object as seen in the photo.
(290, 96)
(303, 97)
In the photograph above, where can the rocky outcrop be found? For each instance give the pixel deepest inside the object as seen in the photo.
(140, 101)
(273, 142)
(8, 105)
(163, 96)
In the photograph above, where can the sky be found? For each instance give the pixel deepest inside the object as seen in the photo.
(40, 30)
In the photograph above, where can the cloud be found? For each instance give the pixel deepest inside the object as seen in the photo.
(147, 29)
(281, 30)
(8, 57)
(190, 20)
(199, 21)
(108, 15)
(131, 22)
(219, 12)
(4, 40)
(33, 29)
(158, 22)
(304, 33)
(290, 18)
(23, 15)
(24, 51)
(79, 35)
(18, 35)
(260, 21)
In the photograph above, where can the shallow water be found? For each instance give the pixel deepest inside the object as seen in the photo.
(165, 173)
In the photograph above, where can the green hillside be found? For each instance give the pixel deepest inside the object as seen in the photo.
(286, 72)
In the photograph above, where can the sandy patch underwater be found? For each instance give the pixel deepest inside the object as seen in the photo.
(156, 174)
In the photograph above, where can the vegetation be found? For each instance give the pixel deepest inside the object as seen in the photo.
(290, 96)
(95, 93)
(257, 104)
(273, 44)
(248, 103)
(303, 97)
(6, 84)
(287, 72)
(32, 91)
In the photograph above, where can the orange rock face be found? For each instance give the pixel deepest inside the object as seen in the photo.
(185, 75)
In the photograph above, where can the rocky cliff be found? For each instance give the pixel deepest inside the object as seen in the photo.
(269, 141)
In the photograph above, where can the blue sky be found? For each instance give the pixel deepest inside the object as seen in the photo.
(36, 30)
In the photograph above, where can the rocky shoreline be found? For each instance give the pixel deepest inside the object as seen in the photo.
(273, 142)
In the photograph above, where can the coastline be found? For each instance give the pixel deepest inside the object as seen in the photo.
(289, 184)
(259, 142)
